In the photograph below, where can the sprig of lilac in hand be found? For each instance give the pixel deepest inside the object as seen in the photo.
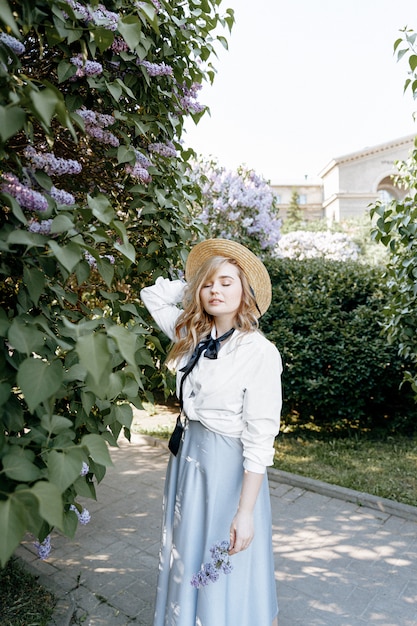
(220, 562)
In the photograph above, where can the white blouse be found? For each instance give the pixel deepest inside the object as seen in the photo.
(239, 393)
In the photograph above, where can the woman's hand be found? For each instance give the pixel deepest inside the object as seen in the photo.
(242, 528)
(242, 531)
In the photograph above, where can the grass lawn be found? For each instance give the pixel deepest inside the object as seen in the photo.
(387, 468)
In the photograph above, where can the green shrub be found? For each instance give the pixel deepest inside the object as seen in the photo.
(339, 370)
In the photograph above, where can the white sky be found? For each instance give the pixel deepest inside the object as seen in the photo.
(304, 81)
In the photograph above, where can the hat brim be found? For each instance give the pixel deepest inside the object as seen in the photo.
(254, 269)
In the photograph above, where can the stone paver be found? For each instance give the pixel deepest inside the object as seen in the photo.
(338, 563)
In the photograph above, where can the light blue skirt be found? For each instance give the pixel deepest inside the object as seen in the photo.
(201, 497)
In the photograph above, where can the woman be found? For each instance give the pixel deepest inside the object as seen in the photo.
(216, 488)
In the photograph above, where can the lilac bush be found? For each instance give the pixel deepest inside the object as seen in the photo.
(96, 202)
(237, 205)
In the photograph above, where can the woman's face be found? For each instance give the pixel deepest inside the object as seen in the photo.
(221, 295)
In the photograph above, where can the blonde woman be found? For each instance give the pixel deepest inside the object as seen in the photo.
(216, 560)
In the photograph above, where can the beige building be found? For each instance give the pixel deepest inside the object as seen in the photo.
(350, 183)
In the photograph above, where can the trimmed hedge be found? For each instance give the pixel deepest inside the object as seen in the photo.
(339, 370)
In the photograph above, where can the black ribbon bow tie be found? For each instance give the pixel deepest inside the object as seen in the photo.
(211, 347)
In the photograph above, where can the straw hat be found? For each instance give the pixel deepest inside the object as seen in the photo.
(254, 269)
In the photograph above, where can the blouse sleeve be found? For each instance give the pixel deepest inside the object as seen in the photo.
(262, 409)
(161, 300)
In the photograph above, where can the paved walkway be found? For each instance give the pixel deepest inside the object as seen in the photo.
(338, 562)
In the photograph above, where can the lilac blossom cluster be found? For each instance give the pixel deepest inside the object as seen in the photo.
(25, 196)
(188, 98)
(43, 548)
(119, 45)
(62, 197)
(93, 263)
(210, 572)
(301, 244)
(11, 42)
(156, 69)
(42, 228)
(95, 125)
(155, 3)
(51, 164)
(238, 203)
(163, 149)
(99, 16)
(85, 68)
(140, 169)
(84, 517)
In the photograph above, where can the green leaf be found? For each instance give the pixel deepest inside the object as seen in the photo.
(50, 503)
(24, 337)
(39, 380)
(94, 355)
(97, 449)
(413, 62)
(11, 121)
(61, 224)
(34, 280)
(18, 466)
(12, 527)
(56, 423)
(123, 414)
(126, 342)
(44, 102)
(27, 239)
(126, 154)
(68, 255)
(7, 17)
(64, 467)
(127, 250)
(130, 29)
(115, 90)
(101, 208)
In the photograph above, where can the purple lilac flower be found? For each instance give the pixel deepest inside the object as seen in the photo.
(90, 260)
(220, 562)
(51, 164)
(84, 517)
(139, 172)
(62, 197)
(105, 18)
(119, 45)
(163, 149)
(84, 12)
(43, 548)
(11, 42)
(84, 469)
(25, 196)
(157, 69)
(42, 228)
(85, 68)
(142, 159)
(100, 16)
(95, 123)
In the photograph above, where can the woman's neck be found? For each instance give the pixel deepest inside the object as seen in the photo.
(223, 325)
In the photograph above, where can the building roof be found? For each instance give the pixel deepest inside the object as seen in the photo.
(368, 151)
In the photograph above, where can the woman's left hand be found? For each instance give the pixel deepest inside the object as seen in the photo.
(241, 531)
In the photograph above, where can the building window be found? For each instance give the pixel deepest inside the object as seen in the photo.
(302, 198)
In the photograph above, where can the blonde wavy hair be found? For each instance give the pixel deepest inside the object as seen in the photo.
(194, 324)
